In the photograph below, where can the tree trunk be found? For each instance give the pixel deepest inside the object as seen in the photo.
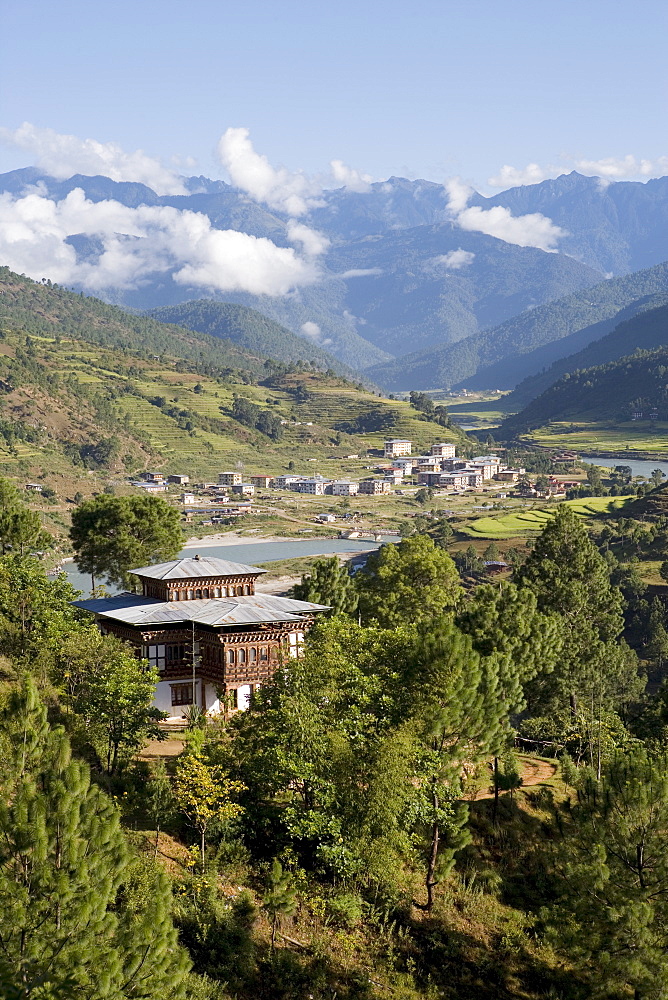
(433, 856)
(202, 849)
(496, 790)
(573, 701)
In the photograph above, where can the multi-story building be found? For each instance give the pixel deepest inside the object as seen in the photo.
(201, 625)
(230, 478)
(444, 450)
(314, 484)
(394, 447)
(405, 464)
(374, 486)
(344, 488)
(284, 482)
(179, 480)
(262, 482)
(243, 489)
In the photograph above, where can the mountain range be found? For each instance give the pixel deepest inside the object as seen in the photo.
(405, 270)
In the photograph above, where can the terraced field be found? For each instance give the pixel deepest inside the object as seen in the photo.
(529, 522)
(637, 436)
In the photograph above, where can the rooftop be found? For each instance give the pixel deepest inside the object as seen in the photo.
(194, 567)
(255, 609)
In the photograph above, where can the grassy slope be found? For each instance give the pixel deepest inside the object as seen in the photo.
(531, 521)
(125, 383)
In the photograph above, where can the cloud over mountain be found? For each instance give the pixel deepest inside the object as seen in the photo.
(531, 230)
(61, 156)
(135, 243)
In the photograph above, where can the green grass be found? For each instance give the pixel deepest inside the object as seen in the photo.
(519, 524)
(604, 436)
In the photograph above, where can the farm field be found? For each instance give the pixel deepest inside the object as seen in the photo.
(636, 436)
(532, 521)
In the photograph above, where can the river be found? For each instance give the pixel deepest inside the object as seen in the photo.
(638, 467)
(252, 553)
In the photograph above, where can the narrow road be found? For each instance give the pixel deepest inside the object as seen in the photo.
(534, 772)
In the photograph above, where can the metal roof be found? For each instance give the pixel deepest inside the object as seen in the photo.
(221, 611)
(196, 566)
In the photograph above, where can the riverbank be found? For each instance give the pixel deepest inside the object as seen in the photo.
(223, 538)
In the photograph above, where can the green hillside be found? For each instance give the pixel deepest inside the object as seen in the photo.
(634, 387)
(523, 345)
(249, 330)
(648, 331)
(93, 395)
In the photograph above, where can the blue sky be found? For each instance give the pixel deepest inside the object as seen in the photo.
(419, 89)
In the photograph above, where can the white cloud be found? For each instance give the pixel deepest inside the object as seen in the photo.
(350, 178)
(61, 156)
(622, 167)
(534, 230)
(138, 242)
(360, 272)
(293, 193)
(610, 168)
(314, 333)
(458, 194)
(513, 177)
(313, 243)
(455, 260)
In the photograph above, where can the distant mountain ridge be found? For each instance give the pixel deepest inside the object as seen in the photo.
(525, 344)
(606, 392)
(390, 285)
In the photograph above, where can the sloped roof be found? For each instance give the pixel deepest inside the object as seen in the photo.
(218, 611)
(196, 566)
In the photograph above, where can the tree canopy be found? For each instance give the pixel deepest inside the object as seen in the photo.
(111, 535)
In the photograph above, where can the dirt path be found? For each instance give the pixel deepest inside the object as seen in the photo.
(534, 772)
(155, 749)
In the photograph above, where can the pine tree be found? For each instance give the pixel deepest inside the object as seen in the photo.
(280, 898)
(612, 917)
(74, 921)
(410, 582)
(328, 583)
(571, 579)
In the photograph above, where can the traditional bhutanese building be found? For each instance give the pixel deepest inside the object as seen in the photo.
(205, 610)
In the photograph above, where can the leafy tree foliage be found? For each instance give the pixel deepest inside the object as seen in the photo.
(111, 535)
(204, 793)
(111, 692)
(328, 583)
(20, 528)
(413, 581)
(80, 916)
(571, 579)
(612, 916)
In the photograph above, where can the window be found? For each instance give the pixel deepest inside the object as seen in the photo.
(189, 595)
(252, 655)
(216, 591)
(242, 656)
(175, 654)
(198, 595)
(231, 658)
(247, 590)
(182, 694)
(156, 656)
(264, 653)
(205, 593)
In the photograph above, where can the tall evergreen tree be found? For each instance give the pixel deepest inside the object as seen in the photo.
(78, 915)
(612, 915)
(111, 535)
(413, 581)
(571, 579)
(328, 583)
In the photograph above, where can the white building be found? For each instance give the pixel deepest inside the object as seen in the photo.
(230, 479)
(284, 482)
(314, 485)
(344, 488)
(405, 464)
(444, 450)
(394, 447)
(374, 486)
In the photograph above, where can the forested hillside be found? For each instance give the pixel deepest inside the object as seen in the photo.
(503, 356)
(646, 331)
(85, 387)
(250, 330)
(637, 383)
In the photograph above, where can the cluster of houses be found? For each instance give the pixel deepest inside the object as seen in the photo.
(440, 469)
